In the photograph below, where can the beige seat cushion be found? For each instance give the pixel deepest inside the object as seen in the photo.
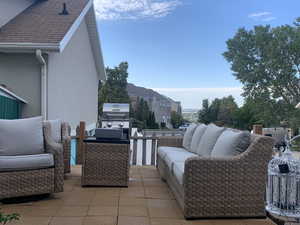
(197, 137)
(209, 140)
(172, 157)
(163, 150)
(26, 162)
(187, 138)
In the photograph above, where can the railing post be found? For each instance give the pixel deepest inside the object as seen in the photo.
(153, 149)
(144, 152)
(134, 156)
(81, 136)
(258, 129)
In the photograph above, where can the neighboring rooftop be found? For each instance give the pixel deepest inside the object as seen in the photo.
(41, 22)
(5, 92)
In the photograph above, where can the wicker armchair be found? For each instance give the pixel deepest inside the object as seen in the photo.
(221, 187)
(36, 181)
(66, 141)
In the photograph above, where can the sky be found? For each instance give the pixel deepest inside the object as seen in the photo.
(175, 46)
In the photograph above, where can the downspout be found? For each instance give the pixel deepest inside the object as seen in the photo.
(44, 83)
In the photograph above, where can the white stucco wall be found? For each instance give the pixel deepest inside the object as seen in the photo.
(10, 8)
(73, 81)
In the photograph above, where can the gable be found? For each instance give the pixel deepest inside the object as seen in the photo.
(10, 9)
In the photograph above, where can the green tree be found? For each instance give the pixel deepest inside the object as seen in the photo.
(246, 116)
(176, 119)
(151, 122)
(267, 61)
(220, 111)
(204, 113)
(227, 109)
(144, 118)
(114, 90)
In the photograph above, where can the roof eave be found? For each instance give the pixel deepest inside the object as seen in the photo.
(21, 47)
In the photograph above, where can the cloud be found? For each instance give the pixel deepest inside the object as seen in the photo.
(134, 9)
(259, 14)
(262, 16)
(267, 19)
(192, 97)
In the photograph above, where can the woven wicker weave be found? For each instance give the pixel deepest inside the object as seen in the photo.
(105, 164)
(228, 187)
(66, 141)
(34, 182)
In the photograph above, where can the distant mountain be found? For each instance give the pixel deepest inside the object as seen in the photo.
(146, 93)
(161, 105)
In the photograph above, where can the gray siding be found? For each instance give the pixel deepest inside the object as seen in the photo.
(10, 8)
(21, 74)
(73, 81)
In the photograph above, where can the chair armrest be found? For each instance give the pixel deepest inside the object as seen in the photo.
(65, 132)
(66, 141)
(242, 173)
(173, 141)
(57, 150)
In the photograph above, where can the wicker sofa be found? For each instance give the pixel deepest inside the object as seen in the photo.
(32, 173)
(212, 187)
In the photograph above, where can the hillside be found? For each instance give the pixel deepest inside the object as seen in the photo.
(136, 91)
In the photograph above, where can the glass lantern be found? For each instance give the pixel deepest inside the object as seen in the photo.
(283, 187)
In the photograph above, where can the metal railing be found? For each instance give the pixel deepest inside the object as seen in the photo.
(146, 142)
(144, 148)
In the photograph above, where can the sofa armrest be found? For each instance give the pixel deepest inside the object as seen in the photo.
(242, 176)
(173, 141)
(57, 150)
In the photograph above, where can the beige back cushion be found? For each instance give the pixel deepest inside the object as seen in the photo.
(209, 140)
(187, 138)
(197, 137)
(56, 130)
(231, 143)
(21, 137)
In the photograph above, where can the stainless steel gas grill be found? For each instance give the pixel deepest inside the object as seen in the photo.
(115, 115)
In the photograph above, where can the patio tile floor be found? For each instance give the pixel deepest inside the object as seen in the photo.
(147, 201)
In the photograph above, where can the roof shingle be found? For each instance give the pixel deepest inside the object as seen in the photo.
(41, 22)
